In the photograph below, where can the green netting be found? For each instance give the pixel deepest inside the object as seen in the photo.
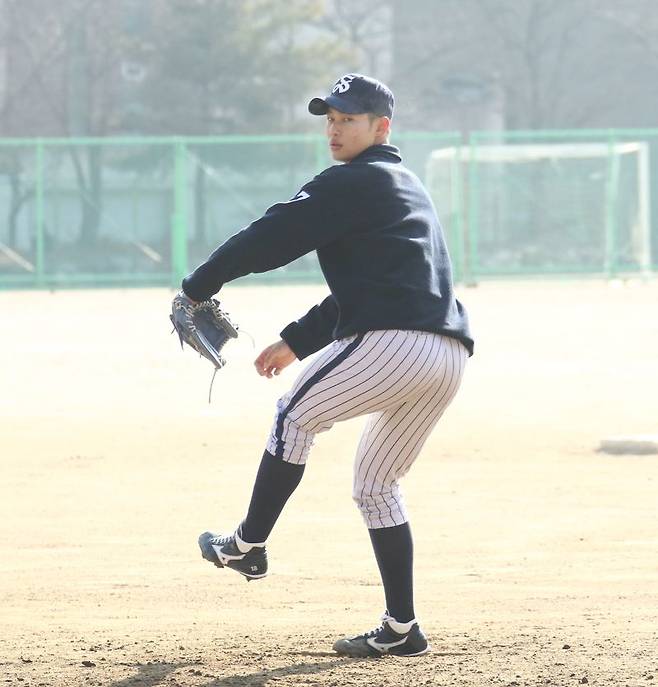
(107, 212)
(19, 244)
(145, 211)
(230, 185)
(547, 204)
(546, 214)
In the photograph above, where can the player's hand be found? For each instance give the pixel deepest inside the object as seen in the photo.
(273, 359)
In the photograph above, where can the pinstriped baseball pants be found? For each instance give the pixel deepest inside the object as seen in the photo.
(402, 380)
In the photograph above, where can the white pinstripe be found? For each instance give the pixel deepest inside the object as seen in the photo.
(404, 381)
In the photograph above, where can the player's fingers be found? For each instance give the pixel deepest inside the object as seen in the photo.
(262, 362)
(262, 369)
(266, 368)
(264, 353)
(271, 361)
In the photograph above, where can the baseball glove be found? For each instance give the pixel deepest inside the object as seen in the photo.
(203, 326)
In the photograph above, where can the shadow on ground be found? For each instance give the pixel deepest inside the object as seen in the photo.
(262, 678)
(152, 674)
(149, 674)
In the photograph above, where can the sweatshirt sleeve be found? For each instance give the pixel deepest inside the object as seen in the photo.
(313, 331)
(321, 212)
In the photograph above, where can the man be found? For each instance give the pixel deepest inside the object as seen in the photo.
(395, 342)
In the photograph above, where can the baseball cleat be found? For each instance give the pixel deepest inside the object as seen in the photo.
(223, 552)
(383, 641)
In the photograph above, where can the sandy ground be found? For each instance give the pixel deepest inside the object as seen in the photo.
(536, 556)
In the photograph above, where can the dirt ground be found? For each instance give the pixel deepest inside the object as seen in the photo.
(536, 555)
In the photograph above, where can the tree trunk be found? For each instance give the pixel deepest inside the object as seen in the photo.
(93, 198)
(90, 187)
(18, 199)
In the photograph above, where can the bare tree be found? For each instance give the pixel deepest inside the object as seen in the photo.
(365, 30)
(555, 63)
(638, 20)
(221, 67)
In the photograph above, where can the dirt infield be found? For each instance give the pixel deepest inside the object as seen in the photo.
(536, 556)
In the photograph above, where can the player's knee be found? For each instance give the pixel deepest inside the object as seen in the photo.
(382, 507)
(368, 505)
(290, 442)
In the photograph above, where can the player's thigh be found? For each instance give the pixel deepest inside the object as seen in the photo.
(289, 440)
(393, 437)
(323, 358)
(380, 372)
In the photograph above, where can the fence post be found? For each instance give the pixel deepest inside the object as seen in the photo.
(40, 216)
(472, 219)
(611, 197)
(179, 219)
(458, 237)
(644, 208)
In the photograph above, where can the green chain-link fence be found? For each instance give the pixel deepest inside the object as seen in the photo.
(549, 202)
(97, 212)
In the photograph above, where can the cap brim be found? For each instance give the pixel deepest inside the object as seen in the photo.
(320, 106)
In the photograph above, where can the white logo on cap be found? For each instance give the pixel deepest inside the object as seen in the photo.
(343, 84)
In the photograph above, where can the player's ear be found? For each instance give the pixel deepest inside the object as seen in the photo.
(383, 127)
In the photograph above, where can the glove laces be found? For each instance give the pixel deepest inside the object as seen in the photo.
(212, 381)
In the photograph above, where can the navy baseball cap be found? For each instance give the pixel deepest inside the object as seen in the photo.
(356, 94)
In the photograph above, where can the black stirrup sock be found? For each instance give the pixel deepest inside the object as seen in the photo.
(394, 551)
(275, 482)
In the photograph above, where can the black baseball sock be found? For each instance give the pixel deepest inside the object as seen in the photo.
(275, 482)
(394, 551)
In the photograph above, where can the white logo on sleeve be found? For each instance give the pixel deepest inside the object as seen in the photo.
(343, 84)
(302, 195)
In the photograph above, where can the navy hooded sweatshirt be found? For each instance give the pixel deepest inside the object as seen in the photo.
(380, 246)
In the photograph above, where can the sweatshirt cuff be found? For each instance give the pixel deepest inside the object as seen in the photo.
(195, 293)
(298, 343)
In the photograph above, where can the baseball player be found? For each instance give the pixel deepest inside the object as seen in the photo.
(393, 343)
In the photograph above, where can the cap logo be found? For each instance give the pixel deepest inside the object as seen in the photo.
(343, 84)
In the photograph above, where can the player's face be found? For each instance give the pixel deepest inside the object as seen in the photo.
(350, 134)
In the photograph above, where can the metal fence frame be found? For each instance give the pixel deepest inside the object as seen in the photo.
(463, 233)
(468, 268)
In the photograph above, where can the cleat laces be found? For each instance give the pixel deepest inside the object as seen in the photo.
(377, 630)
